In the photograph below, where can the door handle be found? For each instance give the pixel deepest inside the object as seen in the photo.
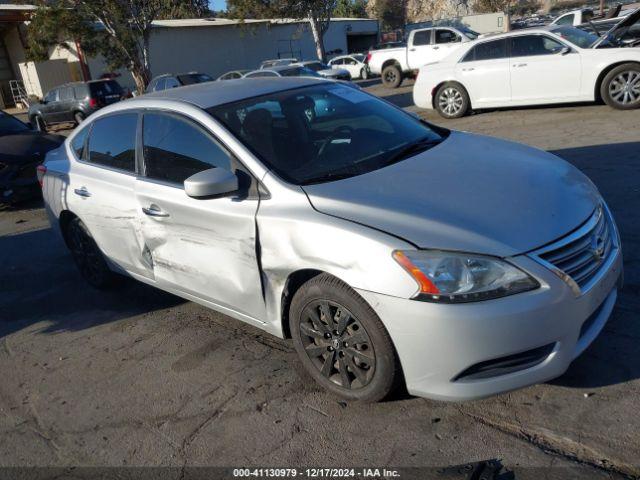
(436, 47)
(520, 65)
(154, 211)
(82, 192)
(470, 69)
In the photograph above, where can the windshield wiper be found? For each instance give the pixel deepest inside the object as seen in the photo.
(413, 149)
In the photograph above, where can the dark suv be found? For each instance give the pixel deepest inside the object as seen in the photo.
(73, 102)
(167, 81)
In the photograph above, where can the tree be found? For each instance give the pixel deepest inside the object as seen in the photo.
(351, 9)
(119, 30)
(390, 13)
(317, 12)
(491, 6)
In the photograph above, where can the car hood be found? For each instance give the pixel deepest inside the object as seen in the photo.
(470, 193)
(625, 22)
(27, 146)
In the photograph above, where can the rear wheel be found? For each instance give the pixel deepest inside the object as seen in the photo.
(620, 88)
(452, 100)
(341, 341)
(88, 257)
(392, 76)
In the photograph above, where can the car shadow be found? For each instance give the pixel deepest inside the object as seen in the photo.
(40, 283)
(614, 357)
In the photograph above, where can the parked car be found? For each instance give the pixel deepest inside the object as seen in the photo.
(355, 64)
(587, 15)
(425, 45)
(73, 102)
(557, 64)
(283, 71)
(387, 248)
(233, 75)
(167, 81)
(21, 150)
(325, 70)
(278, 62)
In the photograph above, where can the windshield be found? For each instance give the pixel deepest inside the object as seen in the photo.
(316, 66)
(298, 72)
(470, 34)
(191, 78)
(325, 132)
(359, 57)
(10, 125)
(576, 36)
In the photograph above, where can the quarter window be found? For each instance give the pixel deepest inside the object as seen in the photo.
(112, 142)
(531, 45)
(79, 141)
(447, 36)
(175, 149)
(422, 38)
(487, 51)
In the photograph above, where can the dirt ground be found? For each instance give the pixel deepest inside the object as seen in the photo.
(138, 377)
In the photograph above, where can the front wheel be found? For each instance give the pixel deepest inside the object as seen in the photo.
(364, 74)
(452, 100)
(78, 117)
(392, 76)
(341, 341)
(39, 123)
(620, 89)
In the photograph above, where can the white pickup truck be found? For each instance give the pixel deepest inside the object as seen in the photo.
(425, 45)
(586, 15)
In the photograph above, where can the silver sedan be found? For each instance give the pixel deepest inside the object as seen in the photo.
(389, 250)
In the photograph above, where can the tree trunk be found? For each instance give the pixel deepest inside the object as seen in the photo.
(141, 78)
(317, 37)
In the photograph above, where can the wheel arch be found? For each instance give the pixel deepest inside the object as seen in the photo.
(598, 85)
(391, 62)
(63, 221)
(292, 284)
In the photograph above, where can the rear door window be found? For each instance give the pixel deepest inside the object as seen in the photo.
(113, 142)
(66, 93)
(487, 51)
(175, 149)
(422, 38)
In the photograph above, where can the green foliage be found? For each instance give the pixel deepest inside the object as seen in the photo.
(491, 6)
(117, 29)
(351, 9)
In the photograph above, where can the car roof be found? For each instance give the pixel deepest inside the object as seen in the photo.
(211, 94)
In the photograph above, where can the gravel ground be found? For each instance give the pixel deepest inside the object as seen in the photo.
(138, 377)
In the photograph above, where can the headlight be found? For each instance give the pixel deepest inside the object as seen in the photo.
(458, 277)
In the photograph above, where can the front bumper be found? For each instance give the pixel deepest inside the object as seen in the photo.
(437, 343)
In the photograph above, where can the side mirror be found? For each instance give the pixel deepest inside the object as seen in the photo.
(565, 51)
(214, 182)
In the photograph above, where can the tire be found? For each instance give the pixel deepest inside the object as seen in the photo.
(88, 257)
(365, 371)
(78, 117)
(364, 74)
(452, 100)
(392, 76)
(620, 88)
(39, 124)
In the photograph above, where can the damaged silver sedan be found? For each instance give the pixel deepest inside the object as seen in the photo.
(389, 250)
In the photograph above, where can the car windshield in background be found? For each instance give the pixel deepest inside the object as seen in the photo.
(10, 125)
(359, 57)
(192, 78)
(470, 34)
(576, 36)
(325, 132)
(298, 72)
(316, 66)
(105, 89)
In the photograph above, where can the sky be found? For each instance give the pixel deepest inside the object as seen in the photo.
(218, 4)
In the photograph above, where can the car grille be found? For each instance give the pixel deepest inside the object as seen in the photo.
(582, 254)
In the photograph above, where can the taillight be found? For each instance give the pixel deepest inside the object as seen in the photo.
(93, 102)
(40, 171)
(368, 59)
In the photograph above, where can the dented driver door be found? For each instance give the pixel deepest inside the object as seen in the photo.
(204, 248)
